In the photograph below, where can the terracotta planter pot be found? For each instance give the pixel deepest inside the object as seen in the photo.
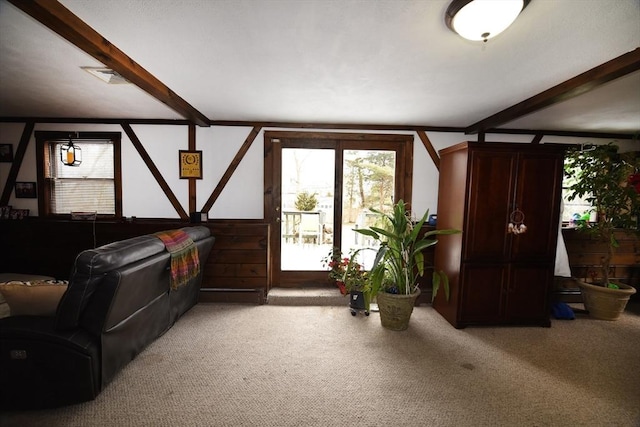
(396, 309)
(605, 303)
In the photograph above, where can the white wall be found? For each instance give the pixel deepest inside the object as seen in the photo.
(141, 194)
(242, 198)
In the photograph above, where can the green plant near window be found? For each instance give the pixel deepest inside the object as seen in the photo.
(347, 273)
(399, 259)
(306, 202)
(609, 181)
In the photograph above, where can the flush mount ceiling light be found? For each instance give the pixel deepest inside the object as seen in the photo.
(482, 19)
(107, 75)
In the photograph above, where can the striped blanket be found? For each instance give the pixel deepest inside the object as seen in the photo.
(185, 263)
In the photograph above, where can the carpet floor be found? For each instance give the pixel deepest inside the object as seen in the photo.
(278, 365)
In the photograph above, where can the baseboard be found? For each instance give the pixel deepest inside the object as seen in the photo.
(242, 296)
(567, 295)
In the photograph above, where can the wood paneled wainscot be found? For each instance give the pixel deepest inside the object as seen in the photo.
(238, 268)
(236, 271)
(585, 254)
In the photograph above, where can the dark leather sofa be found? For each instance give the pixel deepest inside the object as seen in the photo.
(118, 301)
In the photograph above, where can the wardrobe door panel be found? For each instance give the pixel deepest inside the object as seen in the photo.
(527, 294)
(537, 196)
(482, 296)
(490, 186)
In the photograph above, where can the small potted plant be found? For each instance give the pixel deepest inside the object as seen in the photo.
(356, 282)
(399, 262)
(337, 265)
(609, 181)
(350, 277)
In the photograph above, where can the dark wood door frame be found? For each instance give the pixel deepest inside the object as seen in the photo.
(402, 144)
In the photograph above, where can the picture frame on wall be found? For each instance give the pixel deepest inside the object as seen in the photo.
(6, 153)
(190, 164)
(19, 213)
(5, 212)
(26, 190)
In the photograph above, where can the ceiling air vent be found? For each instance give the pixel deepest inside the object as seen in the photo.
(107, 75)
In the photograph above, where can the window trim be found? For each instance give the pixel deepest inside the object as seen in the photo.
(42, 140)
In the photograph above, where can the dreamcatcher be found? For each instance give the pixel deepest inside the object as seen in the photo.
(516, 223)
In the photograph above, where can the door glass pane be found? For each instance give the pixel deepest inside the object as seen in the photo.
(368, 181)
(307, 207)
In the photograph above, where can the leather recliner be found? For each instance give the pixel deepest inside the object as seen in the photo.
(118, 301)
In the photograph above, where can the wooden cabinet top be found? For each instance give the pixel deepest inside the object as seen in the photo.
(503, 146)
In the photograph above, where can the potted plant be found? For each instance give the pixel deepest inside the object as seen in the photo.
(337, 266)
(608, 180)
(399, 261)
(350, 277)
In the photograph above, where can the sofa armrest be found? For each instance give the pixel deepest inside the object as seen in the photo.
(42, 367)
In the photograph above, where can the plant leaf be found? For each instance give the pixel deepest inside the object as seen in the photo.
(367, 232)
(435, 280)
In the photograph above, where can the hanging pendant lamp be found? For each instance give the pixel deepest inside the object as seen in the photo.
(482, 19)
(70, 155)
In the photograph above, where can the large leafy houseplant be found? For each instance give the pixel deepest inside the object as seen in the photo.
(399, 260)
(608, 180)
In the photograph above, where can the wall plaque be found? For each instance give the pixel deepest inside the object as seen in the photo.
(190, 164)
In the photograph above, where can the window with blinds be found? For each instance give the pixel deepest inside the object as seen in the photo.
(88, 187)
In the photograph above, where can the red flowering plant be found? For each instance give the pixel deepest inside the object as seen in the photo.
(337, 266)
(346, 272)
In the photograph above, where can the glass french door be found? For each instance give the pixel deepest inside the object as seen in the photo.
(317, 191)
(307, 206)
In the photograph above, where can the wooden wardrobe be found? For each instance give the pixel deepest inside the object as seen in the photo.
(499, 274)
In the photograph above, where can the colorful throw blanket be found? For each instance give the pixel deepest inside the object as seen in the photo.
(185, 263)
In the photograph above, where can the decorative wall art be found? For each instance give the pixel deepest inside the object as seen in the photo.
(19, 213)
(5, 212)
(190, 164)
(6, 153)
(26, 190)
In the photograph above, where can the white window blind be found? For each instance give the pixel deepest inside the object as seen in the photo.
(87, 187)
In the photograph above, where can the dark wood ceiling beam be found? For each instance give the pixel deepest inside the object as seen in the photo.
(585, 82)
(94, 121)
(352, 126)
(568, 133)
(416, 128)
(61, 20)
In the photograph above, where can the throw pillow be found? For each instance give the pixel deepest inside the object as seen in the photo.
(33, 298)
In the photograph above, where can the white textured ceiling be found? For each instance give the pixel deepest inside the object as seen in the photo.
(326, 61)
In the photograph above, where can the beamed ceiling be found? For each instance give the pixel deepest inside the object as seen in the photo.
(563, 68)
